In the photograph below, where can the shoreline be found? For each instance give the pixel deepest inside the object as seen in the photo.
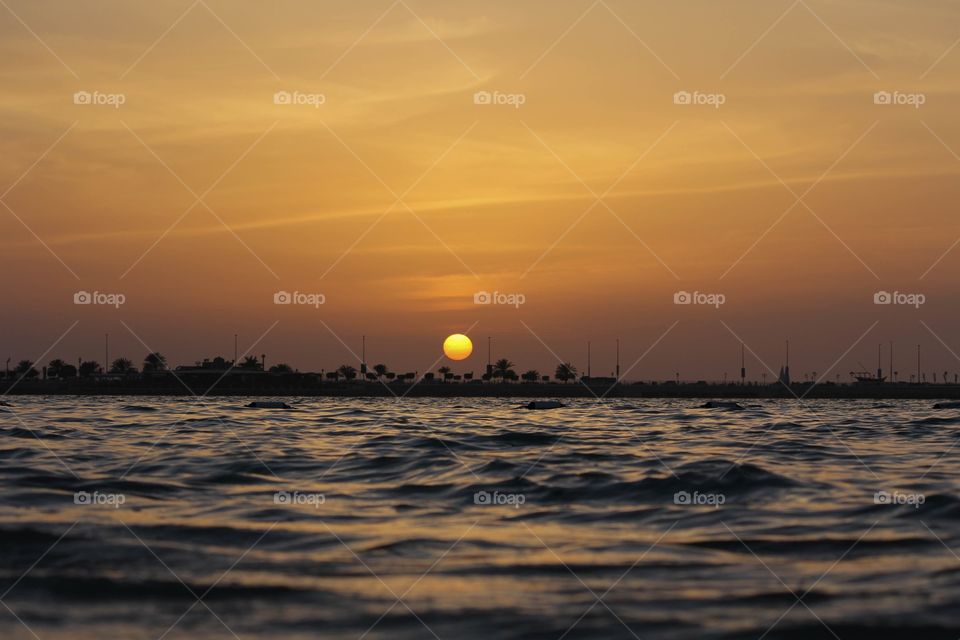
(189, 388)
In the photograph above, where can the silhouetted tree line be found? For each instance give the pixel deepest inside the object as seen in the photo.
(154, 363)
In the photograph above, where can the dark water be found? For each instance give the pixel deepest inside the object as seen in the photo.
(359, 518)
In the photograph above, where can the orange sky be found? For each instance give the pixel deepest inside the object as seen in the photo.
(399, 197)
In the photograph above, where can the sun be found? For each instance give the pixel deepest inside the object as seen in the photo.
(457, 347)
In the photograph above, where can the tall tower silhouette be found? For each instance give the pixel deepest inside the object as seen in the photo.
(785, 370)
(743, 366)
(618, 359)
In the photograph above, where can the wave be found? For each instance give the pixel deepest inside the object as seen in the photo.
(81, 588)
(22, 432)
(935, 421)
(893, 630)
(519, 438)
(733, 477)
(935, 507)
(138, 408)
(795, 547)
(593, 487)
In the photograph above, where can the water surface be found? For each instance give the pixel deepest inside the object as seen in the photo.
(173, 518)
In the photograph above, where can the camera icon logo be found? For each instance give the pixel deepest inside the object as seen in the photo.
(282, 497)
(82, 297)
(482, 497)
(81, 497)
(282, 297)
(681, 497)
(682, 97)
(282, 97)
(483, 97)
(682, 297)
(882, 497)
(882, 297)
(82, 97)
(883, 97)
(482, 297)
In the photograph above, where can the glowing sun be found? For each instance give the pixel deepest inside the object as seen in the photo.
(457, 347)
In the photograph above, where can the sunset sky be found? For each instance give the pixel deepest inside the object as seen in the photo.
(399, 197)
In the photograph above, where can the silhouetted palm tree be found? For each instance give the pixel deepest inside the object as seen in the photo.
(154, 362)
(55, 368)
(281, 368)
(122, 365)
(250, 363)
(444, 372)
(347, 372)
(380, 369)
(531, 376)
(566, 372)
(88, 368)
(25, 369)
(503, 368)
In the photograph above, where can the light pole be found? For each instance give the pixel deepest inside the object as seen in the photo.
(618, 359)
(489, 361)
(363, 358)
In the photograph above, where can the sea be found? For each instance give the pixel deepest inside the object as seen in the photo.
(163, 517)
